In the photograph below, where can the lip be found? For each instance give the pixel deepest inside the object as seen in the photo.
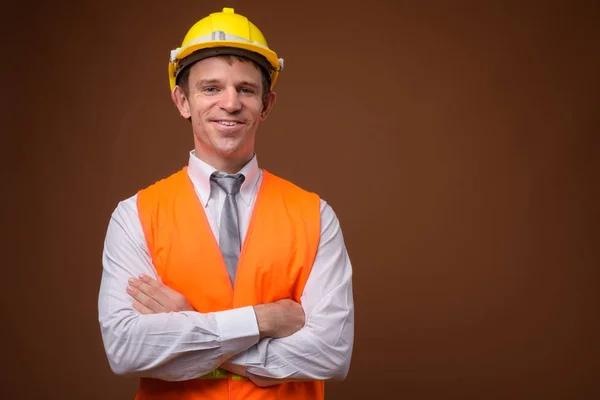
(217, 122)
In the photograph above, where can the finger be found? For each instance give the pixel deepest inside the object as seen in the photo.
(154, 288)
(172, 294)
(151, 288)
(149, 280)
(144, 299)
(169, 299)
(142, 309)
(160, 287)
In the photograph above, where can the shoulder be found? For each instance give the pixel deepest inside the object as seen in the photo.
(127, 211)
(286, 186)
(124, 221)
(325, 209)
(126, 207)
(165, 185)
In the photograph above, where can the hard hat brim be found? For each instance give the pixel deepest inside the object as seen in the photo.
(217, 51)
(226, 47)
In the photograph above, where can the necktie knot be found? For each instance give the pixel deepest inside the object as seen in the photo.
(231, 184)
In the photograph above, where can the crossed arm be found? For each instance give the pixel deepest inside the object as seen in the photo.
(275, 320)
(150, 330)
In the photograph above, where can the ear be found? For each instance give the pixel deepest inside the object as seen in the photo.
(268, 103)
(180, 99)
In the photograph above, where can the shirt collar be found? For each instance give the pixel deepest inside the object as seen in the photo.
(200, 172)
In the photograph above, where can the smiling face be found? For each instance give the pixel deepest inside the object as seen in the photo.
(226, 105)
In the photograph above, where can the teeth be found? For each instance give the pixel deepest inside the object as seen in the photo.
(228, 123)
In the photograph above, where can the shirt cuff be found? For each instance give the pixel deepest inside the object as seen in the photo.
(238, 330)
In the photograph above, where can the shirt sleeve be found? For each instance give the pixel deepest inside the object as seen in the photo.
(322, 349)
(170, 346)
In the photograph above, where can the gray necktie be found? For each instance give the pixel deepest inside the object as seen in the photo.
(229, 232)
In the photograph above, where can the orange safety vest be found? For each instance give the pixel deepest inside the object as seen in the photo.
(275, 262)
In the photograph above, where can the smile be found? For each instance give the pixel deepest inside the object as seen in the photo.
(228, 123)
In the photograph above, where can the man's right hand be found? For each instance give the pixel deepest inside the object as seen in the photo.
(279, 319)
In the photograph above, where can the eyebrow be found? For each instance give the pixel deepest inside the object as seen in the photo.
(248, 83)
(205, 82)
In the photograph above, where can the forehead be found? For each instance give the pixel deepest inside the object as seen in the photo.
(226, 69)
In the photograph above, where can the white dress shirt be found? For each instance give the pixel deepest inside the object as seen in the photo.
(185, 345)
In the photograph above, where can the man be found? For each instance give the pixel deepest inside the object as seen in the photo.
(224, 281)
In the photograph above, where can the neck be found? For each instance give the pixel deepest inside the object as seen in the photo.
(229, 165)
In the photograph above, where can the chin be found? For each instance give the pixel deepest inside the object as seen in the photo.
(229, 150)
(230, 144)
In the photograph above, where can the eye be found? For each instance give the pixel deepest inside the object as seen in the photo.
(246, 91)
(210, 89)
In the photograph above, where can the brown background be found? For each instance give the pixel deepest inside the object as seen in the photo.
(457, 142)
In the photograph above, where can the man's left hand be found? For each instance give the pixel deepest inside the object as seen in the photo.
(152, 296)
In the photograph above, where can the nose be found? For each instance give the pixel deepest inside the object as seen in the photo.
(230, 101)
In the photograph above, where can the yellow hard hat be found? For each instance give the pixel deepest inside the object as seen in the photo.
(224, 33)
